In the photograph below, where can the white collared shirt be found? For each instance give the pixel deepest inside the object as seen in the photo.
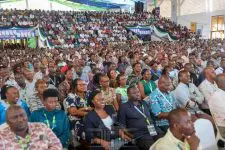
(184, 93)
(217, 106)
(219, 70)
(207, 88)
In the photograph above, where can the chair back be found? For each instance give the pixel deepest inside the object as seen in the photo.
(205, 132)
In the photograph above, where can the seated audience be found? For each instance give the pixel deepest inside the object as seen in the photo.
(10, 96)
(136, 76)
(221, 69)
(216, 100)
(181, 133)
(121, 91)
(100, 124)
(109, 94)
(146, 86)
(53, 118)
(64, 87)
(77, 107)
(112, 78)
(162, 102)
(35, 101)
(19, 134)
(155, 72)
(134, 116)
(208, 87)
(188, 96)
(193, 75)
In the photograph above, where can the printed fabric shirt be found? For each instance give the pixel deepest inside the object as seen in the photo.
(73, 100)
(42, 138)
(4, 106)
(123, 93)
(109, 96)
(161, 102)
(133, 80)
(64, 89)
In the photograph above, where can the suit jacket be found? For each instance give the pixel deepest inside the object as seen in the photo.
(95, 128)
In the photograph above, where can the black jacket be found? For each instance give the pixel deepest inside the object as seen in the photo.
(95, 128)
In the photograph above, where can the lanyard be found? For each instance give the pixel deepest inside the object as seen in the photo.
(26, 145)
(186, 146)
(84, 101)
(54, 82)
(53, 122)
(123, 91)
(164, 97)
(149, 85)
(25, 94)
(142, 113)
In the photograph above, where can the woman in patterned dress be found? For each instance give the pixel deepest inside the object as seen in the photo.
(77, 106)
(109, 94)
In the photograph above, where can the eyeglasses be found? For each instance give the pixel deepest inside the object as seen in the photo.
(82, 84)
(123, 78)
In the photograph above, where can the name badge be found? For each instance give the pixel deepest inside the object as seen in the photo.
(151, 130)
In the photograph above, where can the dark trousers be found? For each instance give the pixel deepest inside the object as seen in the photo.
(207, 111)
(128, 146)
(145, 144)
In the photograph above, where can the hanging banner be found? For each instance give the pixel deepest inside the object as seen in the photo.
(32, 42)
(140, 30)
(17, 33)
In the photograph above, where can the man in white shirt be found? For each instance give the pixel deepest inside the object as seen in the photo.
(221, 69)
(217, 101)
(208, 86)
(188, 96)
(30, 82)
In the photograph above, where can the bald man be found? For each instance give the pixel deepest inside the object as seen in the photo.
(27, 135)
(208, 86)
(181, 133)
(221, 69)
(162, 102)
(217, 100)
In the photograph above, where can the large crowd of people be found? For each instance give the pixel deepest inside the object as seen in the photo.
(71, 29)
(128, 95)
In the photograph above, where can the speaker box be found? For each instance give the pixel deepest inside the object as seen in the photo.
(139, 6)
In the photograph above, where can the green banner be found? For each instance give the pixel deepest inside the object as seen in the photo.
(32, 42)
(155, 3)
(9, 1)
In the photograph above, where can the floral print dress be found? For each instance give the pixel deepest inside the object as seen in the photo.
(73, 100)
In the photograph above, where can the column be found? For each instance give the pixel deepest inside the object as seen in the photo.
(50, 6)
(174, 10)
(178, 7)
(27, 4)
